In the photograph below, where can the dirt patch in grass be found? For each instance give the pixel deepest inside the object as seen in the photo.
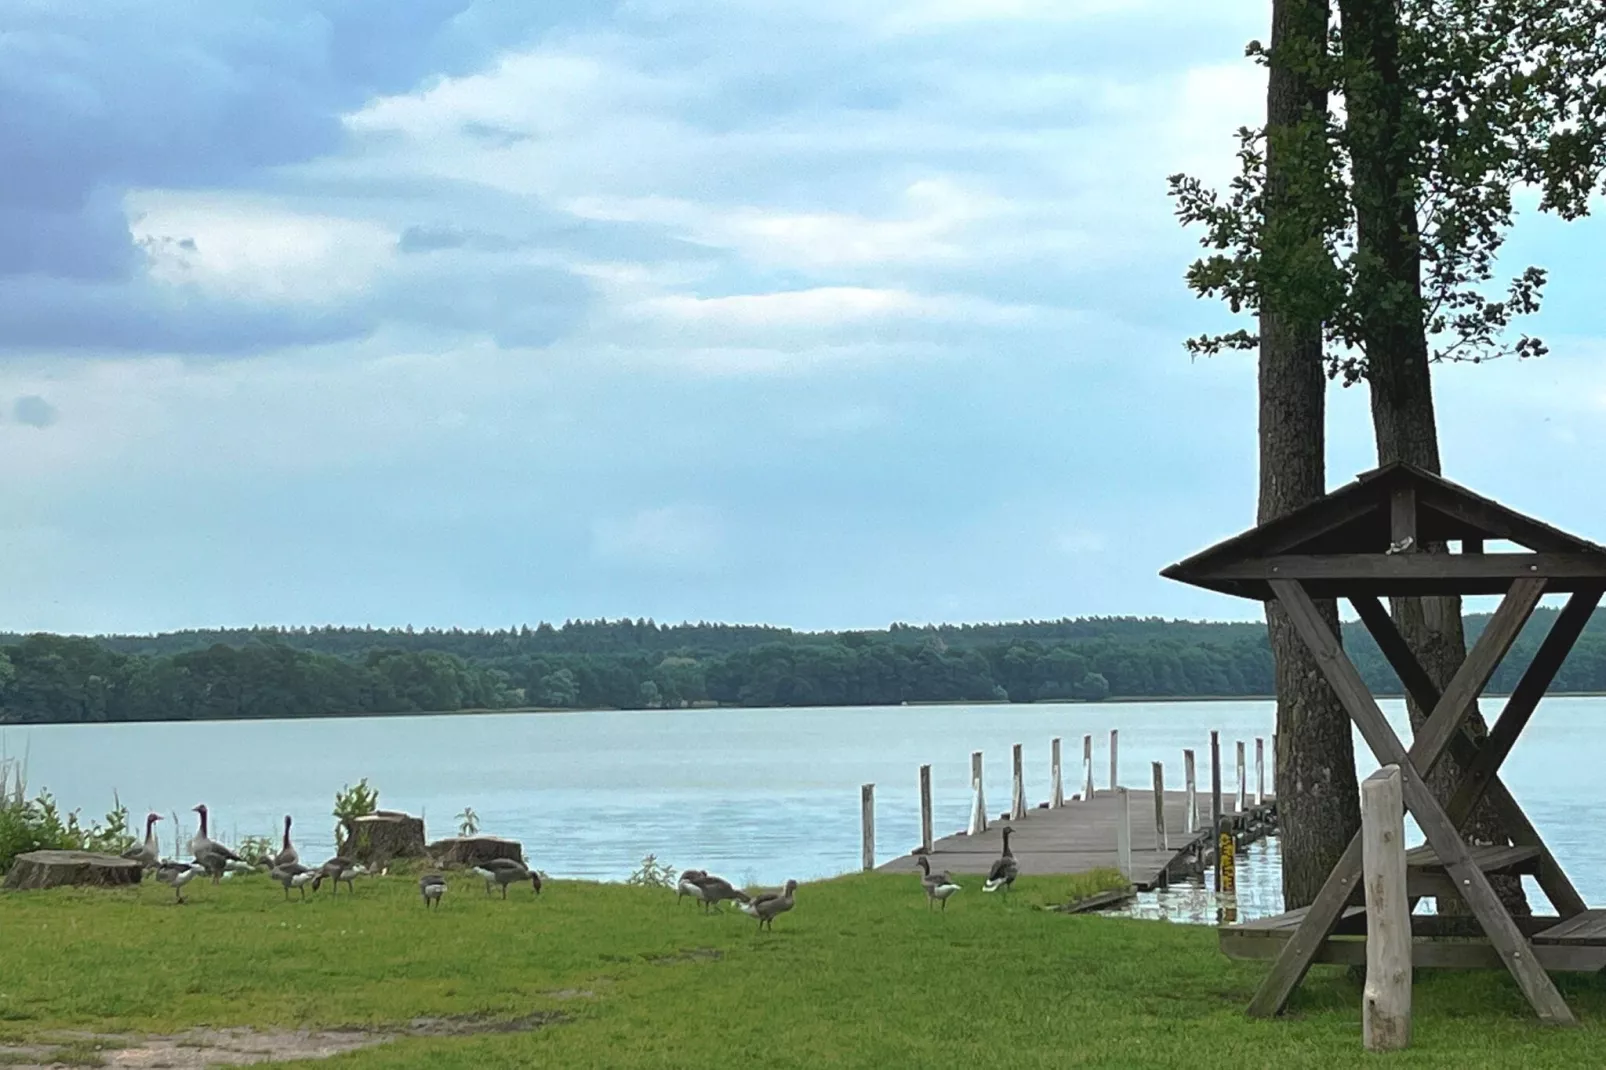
(195, 1049)
(691, 954)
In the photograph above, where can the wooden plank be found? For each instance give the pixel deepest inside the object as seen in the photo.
(1589, 926)
(1434, 736)
(1402, 517)
(1468, 955)
(867, 823)
(1490, 859)
(925, 808)
(1497, 522)
(1386, 998)
(1568, 568)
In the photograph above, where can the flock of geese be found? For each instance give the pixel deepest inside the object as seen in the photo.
(213, 859)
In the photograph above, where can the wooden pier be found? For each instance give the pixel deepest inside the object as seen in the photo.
(1153, 845)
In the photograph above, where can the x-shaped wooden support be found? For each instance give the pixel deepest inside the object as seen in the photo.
(1435, 737)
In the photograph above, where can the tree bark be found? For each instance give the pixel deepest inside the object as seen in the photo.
(1318, 798)
(1394, 337)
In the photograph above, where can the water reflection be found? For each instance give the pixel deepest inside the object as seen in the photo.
(1259, 893)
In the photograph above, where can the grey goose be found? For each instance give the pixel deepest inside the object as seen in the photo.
(506, 871)
(146, 854)
(939, 887)
(293, 875)
(711, 891)
(207, 851)
(432, 886)
(287, 855)
(765, 907)
(1005, 870)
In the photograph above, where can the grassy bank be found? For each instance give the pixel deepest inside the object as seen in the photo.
(859, 975)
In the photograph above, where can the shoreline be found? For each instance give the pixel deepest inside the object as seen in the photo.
(1132, 700)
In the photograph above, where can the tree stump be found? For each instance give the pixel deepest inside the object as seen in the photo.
(376, 838)
(52, 869)
(474, 850)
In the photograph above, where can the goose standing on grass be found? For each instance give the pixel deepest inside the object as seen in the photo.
(939, 886)
(146, 854)
(506, 871)
(176, 875)
(432, 886)
(712, 890)
(337, 869)
(1005, 870)
(765, 907)
(292, 875)
(687, 885)
(207, 851)
(287, 855)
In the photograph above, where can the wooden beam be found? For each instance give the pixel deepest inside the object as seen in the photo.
(1503, 933)
(1498, 522)
(1387, 568)
(1386, 1001)
(1472, 546)
(1402, 516)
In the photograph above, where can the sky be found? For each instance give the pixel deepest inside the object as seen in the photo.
(482, 312)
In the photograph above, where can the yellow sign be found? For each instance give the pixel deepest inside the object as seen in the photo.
(1227, 863)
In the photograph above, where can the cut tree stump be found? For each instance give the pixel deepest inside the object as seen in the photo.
(376, 838)
(474, 850)
(52, 869)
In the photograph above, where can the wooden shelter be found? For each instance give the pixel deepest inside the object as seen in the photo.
(1364, 542)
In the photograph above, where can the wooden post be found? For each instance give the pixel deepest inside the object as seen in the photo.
(1226, 859)
(1215, 801)
(925, 808)
(1260, 770)
(1386, 999)
(1017, 799)
(1056, 791)
(1114, 764)
(1087, 768)
(1190, 787)
(978, 803)
(1243, 780)
(867, 823)
(1162, 842)
(1123, 832)
(1274, 763)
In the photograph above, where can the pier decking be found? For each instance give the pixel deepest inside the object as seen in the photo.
(1081, 836)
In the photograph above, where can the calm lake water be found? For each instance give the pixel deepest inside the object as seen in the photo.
(758, 795)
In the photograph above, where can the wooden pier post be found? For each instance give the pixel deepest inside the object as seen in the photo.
(1017, 797)
(1115, 743)
(978, 802)
(1087, 768)
(1260, 771)
(1162, 841)
(1386, 999)
(1056, 796)
(925, 808)
(1243, 780)
(1190, 787)
(1215, 801)
(1123, 832)
(1226, 859)
(867, 823)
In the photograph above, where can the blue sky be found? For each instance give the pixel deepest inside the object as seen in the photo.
(825, 314)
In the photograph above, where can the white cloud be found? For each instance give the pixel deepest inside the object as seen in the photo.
(675, 536)
(823, 306)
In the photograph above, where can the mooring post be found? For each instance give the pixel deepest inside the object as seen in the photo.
(1226, 858)
(925, 808)
(1115, 744)
(1017, 800)
(1386, 998)
(1056, 795)
(1162, 842)
(1260, 770)
(1215, 799)
(867, 823)
(1190, 788)
(1087, 768)
(1123, 833)
(1274, 763)
(978, 801)
(1243, 780)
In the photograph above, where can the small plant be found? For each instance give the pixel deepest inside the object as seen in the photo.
(468, 822)
(653, 874)
(352, 802)
(254, 848)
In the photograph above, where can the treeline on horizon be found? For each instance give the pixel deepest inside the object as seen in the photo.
(625, 664)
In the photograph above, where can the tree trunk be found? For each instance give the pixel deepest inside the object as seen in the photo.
(1394, 337)
(1318, 799)
(53, 869)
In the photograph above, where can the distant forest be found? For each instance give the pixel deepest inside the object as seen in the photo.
(624, 664)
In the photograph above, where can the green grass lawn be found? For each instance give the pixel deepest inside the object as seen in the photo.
(860, 974)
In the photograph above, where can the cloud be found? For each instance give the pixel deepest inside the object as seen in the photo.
(34, 411)
(674, 536)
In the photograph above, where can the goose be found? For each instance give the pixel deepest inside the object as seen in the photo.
(505, 871)
(208, 851)
(939, 886)
(293, 875)
(1005, 870)
(766, 906)
(432, 886)
(687, 885)
(176, 875)
(146, 854)
(711, 890)
(287, 855)
(337, 869)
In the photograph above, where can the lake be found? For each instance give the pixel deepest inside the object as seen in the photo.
(758, 795)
